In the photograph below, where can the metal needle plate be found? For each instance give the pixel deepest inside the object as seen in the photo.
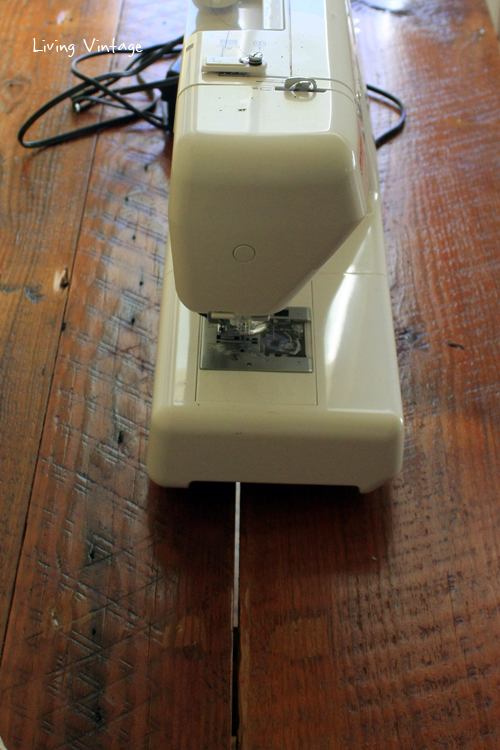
(285, 345)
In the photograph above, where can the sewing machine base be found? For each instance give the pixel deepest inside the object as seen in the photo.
(339, 424)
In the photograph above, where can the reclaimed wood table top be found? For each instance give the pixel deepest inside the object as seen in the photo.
(365, 622)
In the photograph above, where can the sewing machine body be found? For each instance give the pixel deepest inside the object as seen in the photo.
(275, 210)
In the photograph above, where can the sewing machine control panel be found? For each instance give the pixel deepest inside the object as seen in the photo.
(277, 39)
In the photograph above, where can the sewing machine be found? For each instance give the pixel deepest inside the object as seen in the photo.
(276, 357)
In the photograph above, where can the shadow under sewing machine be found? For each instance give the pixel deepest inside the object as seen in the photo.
(276, 357)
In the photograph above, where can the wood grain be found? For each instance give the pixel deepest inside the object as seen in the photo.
(374, 622)
(121, 629)
(120, 634)
(42, 197)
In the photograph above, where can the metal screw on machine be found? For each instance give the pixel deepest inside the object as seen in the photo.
(254, 58)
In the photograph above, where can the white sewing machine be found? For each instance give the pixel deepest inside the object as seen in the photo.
(289, 375)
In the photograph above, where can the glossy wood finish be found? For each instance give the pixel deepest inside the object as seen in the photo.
(365, 622)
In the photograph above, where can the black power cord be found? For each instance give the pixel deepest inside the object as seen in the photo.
(398, 104)
(97, 90)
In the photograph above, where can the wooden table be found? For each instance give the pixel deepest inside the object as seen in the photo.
(364, 621)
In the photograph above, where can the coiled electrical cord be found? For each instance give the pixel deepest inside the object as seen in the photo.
(97, 90)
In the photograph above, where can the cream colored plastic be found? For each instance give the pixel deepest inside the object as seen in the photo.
(276, 171)
(342, 423)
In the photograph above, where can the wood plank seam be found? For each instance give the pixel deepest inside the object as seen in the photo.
(33, 158)
(65, 283)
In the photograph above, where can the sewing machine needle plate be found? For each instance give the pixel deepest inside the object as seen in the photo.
(285, 345)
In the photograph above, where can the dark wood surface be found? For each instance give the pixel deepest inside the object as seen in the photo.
(365, 622)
